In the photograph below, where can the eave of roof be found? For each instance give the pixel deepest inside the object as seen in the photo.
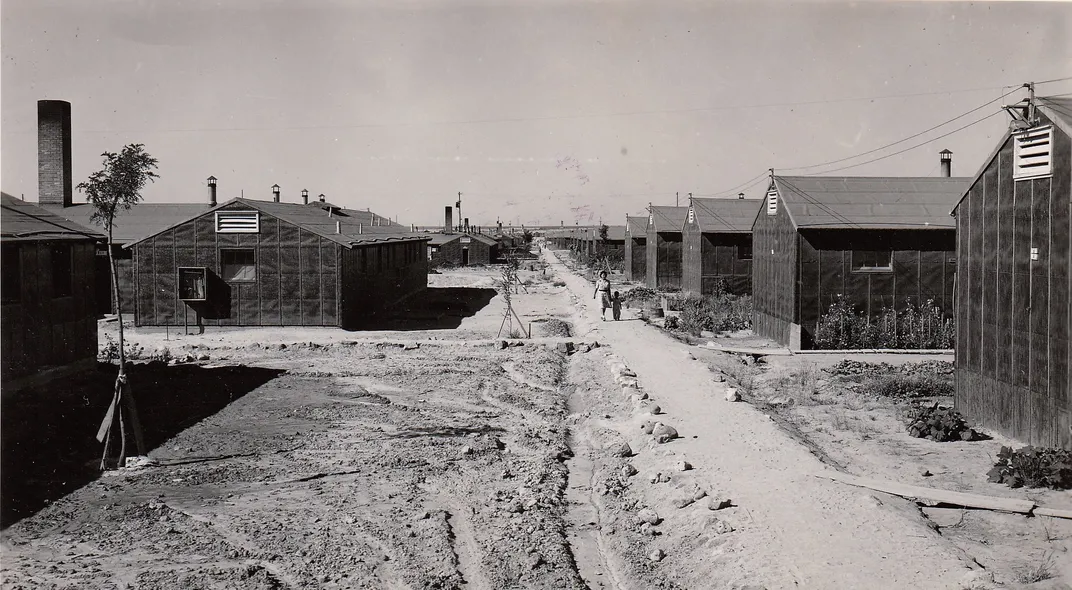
(725, 215)
(23, 221)
(857, 202)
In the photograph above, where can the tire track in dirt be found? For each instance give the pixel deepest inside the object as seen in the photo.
(585, 518)
(466, 549)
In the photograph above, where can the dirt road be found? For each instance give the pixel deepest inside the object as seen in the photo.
(792, 528)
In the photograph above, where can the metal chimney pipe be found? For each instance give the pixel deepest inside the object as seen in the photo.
(321, 197)
(947, 163)
(275, 193)
(740, 195)
(211, 191)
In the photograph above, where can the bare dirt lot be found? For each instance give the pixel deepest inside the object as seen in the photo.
(433, 454)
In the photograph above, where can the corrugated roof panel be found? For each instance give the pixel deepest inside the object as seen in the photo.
(669, 219)
(726, 215)
(871, 202)
(20, 220)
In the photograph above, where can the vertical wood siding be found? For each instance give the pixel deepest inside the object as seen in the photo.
(774, 275)
(1014, 314)
(41, 331)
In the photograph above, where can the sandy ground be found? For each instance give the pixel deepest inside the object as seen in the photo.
(436, 455)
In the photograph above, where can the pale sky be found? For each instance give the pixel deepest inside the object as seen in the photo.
(537, 111)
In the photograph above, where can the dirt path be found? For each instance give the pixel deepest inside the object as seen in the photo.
(793, 530)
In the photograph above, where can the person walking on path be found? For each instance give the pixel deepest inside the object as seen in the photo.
(603, 287)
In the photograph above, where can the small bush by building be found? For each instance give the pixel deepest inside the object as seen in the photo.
(914, 327)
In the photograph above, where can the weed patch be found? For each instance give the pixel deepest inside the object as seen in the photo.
(1033, 467)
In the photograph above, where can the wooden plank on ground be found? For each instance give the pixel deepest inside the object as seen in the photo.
(1053, 512)
(746, 350)
(943, 496)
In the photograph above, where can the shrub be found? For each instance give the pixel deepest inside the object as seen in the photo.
(908, 386)
(672, 323)
(938, 424)
(921, 326)
(730, 313)
(639, 296)
(695, 316)
(1033, 467)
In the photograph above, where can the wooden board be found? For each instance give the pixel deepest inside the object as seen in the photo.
(943, 496)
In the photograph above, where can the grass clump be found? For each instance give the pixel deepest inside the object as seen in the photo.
(1033, 467)
(938, 424)
(903, 387)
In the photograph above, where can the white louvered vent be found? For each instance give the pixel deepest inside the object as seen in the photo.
(692, 215)
(1031, 154)
(772, 202)
(238, 222)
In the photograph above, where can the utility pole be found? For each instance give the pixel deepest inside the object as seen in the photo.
(677, 199)
(1030, 102)
(459, 206)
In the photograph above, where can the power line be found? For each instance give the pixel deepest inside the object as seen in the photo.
(976, 122)
(550, 118)
(910, 137)
(1054, 80)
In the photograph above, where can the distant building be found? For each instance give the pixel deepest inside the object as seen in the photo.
(876, 241)
(144, 219)
(718, 245)
(462, 249)
(48, 315)
(635, 247)
(1014, 312)
(664, 251)
(593, 244)
(265, 263)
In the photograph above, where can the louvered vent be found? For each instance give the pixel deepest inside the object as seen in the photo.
(238, 222)
(1031, 154)
(772, 202)
(692, 215)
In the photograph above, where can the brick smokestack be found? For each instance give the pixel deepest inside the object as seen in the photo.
(947, 163)
(54, 185)
(448, 219)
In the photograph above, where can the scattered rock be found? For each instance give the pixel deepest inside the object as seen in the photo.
(647, 530)
(411, 346)
(718, 378)
(282, 347)
(564, 347)
(718, 502)
(656, 410)
(502, 345)
(779, 401)
(628, 470)
(682, 465)
(514, 507)
(202, 357)
(622, 450)
(720, 526)
(683, 501)
(626, 372)
(926, 473)
(977, 580)
(656, 555)
(595, 345)
(647, 427)
(584, 348)
(649, 516)
(664, 433)
(660, 478)
(732, 395)
(641, 395)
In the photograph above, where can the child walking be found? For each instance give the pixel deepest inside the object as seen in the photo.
(616, 306)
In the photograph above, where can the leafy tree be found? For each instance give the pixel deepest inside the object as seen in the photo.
(527, 236)
(115, 188)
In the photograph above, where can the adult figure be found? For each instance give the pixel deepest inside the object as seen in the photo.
(603, 291)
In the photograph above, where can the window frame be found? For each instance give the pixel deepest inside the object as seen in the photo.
(873, 268)
(223, 265)
(190, 270)
(750, 252)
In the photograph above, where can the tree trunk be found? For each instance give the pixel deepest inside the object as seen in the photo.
(122, 385)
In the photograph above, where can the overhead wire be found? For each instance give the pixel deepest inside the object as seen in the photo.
(900, 141)
(958, 129)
